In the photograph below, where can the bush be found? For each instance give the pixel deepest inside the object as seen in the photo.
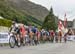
(5, 22)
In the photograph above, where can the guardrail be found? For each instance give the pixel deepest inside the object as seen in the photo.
(4, 29)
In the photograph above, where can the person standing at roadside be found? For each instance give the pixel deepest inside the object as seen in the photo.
(52, 34)
(60, 36)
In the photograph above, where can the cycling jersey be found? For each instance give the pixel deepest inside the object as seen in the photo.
(13, 27)
(34, 30)
(22, 30)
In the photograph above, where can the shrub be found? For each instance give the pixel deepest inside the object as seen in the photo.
(5, 22)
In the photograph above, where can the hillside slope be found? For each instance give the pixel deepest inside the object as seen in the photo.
(29, 8)
(10, 9)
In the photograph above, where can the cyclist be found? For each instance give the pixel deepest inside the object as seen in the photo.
(30, 35)
(22, 33)
(15, 30)
(34, 30)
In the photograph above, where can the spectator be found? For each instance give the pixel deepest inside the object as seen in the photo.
(52, 35)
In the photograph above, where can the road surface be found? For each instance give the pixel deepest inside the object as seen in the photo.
(48, 48)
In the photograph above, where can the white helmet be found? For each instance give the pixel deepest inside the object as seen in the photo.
(16, 25)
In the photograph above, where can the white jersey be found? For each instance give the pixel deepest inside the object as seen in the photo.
(13, 27)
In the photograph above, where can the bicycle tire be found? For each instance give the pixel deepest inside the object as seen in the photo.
(12, 41)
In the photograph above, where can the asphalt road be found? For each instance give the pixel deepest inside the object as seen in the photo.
(48, 48)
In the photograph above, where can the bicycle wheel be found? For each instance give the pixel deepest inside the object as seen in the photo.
(18, 43)
(12, 41)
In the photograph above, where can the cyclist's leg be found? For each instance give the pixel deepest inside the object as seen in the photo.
(35, 38)
(30, 38)
(24, 40)
(18, 37)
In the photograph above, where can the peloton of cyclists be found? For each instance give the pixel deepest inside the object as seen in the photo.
(32, 35)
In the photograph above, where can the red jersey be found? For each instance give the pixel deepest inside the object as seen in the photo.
(22, 30)
(52, 33)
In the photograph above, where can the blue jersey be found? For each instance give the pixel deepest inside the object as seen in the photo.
(34, 30)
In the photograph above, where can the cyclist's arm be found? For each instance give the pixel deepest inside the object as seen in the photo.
(10, 29)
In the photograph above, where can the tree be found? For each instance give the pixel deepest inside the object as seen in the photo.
(49, 22)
